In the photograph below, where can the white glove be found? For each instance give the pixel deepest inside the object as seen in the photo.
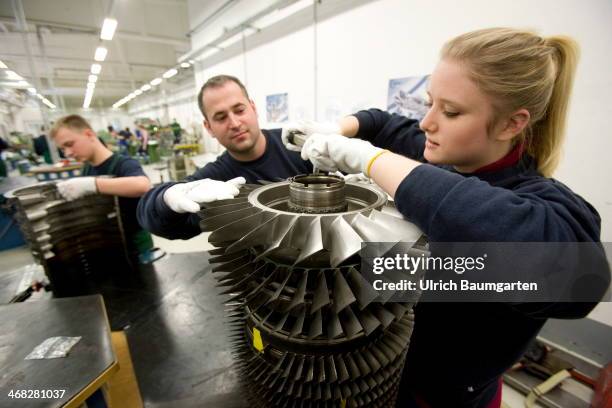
(357, 178)
(77, 187)
(335, 152)
(186, 197)
(307, 128)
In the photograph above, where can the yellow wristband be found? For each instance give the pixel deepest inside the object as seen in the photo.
(373, 159)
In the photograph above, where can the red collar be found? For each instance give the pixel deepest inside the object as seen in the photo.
(508, 160)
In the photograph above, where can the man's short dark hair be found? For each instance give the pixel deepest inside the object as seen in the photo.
(217, 82)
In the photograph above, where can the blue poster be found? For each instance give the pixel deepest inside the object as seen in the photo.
(277, 108)
(407, 96)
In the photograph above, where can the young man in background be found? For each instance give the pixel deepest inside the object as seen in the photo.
(75, 137)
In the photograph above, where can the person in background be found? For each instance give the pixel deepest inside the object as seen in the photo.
(75, 137)
(252, 155)
(477, 168)
(3, 146)
(177, 131)
(144, 138)
(112, 132)
(41, 147)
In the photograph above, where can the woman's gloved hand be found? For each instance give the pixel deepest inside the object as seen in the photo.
(186, 197)
(77, 187)
(335, 152)
(306, 128)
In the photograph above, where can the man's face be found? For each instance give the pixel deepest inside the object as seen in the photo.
(231, 118)
(75, 144)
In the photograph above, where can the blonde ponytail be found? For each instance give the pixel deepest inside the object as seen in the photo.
(520, 69)
(548, 133)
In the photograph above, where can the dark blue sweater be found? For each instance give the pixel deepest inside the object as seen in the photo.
(277, 163)
(121, 166)
(458, 347)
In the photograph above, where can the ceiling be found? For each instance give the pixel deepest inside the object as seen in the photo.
(63, 36)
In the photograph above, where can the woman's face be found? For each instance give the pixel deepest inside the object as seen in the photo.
(456, 124)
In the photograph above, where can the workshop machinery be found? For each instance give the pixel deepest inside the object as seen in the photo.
(70, 239)
(308, 329)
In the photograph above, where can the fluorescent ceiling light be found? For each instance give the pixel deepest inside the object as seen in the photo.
(156, 81)
(145, 87)
(32, 91)
(96, 68)
(3, 65)
(88, 97)
(92, 78)
(91, 85)
(280, 14)
(48, 103)
(12, 75)
(185, 65)
(22, 84)
(170, 73)
(108, 29)
(207, 53)
(137, 92)
(233, 39)
(100, 54)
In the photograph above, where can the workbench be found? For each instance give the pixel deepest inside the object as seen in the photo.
(71, 379)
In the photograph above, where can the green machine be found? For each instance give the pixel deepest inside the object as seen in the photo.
(153, 151)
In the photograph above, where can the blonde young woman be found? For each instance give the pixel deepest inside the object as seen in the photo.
(476, 168)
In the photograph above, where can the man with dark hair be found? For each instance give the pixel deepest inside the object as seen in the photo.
(251, 155)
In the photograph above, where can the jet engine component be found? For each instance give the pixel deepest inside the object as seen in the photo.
(68, 235)
(308, 330)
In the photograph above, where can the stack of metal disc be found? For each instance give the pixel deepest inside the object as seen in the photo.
(308, 329)
(61, 232)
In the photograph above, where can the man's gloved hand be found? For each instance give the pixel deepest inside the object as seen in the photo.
(335, 152)
(186, 197)
(307, 128)
(77, 187)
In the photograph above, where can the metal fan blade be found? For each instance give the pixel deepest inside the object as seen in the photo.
(321, 294)
(282, 225)
(349, 322)
(313, 242)
(368, 321)
(344, 241)
(298, 297)
(343, 374)
(361, 288)
(221, 203)
(274, 298)
(223, 209)
(371, 231)
(236, 229)
(341, 292)
(221, 220)
(316, 326)
(257, 236)
(408, 232)
(334, 328)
